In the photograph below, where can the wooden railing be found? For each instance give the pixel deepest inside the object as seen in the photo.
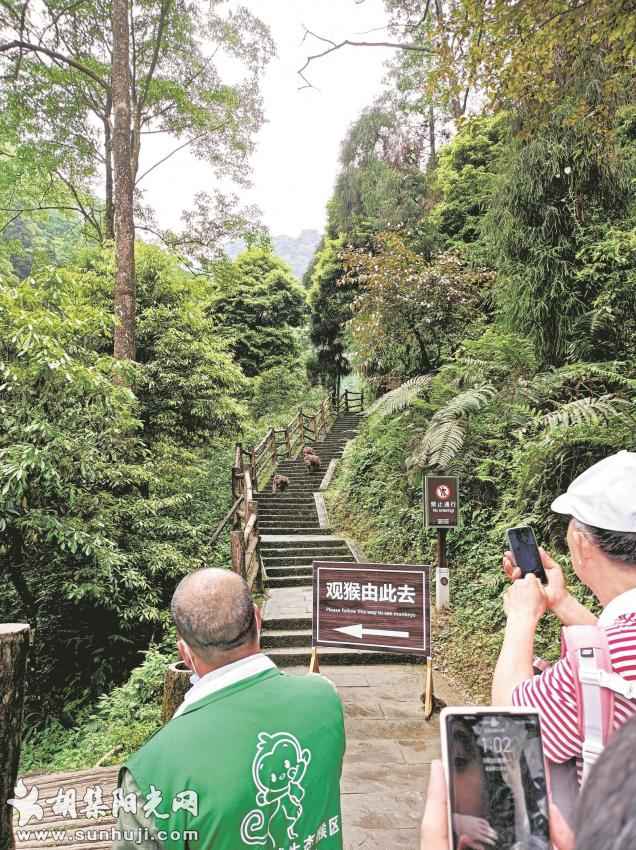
(244, 537)
(350, 402)
(253, 468)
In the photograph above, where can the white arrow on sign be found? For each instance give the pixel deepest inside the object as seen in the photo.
(361, 631)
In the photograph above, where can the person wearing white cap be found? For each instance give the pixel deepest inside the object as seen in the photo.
(602, 542)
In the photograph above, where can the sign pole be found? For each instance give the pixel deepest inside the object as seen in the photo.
(427, 696)
(314, 661)
(442, 584)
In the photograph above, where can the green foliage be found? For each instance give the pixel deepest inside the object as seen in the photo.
(466, 179)
(56, 107)
(280, 390)
(380, 186)
(257, 306)
(114, 728)
(330, 298)
(108, 495)
(399, 398)
(408, 313)
(444, 437)
(558, 188)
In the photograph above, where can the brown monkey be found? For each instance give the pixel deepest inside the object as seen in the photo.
(279, 483)
(312, 462)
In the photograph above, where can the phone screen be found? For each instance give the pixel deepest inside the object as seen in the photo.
(497, 784)
(524, 547)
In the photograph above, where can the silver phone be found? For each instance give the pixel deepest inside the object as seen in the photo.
(496, 777)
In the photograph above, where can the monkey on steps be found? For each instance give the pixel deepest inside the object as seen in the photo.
(311, 459)
(279, 483)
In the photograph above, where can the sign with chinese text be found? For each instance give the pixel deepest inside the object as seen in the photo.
(441, 501)
(376, 606)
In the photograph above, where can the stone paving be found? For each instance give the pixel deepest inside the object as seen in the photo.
(389, 750)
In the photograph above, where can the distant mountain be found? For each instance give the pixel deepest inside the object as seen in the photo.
(297, 251)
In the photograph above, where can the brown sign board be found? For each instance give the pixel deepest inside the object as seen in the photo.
(441, 501)
(383, 607)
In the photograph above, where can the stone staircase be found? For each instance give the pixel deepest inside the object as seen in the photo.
(291, 539)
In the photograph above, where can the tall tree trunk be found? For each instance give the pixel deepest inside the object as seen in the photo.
(14, 648)
(124, 346)
(432, 160)
(109, 223)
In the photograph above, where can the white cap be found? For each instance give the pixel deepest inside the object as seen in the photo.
(604, 496)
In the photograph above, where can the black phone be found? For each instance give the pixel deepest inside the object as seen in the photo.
(524, 547)
(496, 776)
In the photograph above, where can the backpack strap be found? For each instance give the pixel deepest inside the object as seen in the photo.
(588, 652)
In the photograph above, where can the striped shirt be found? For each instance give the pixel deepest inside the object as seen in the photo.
(553, 692)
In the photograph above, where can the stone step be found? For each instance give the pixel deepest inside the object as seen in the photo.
(287, 624)
(285, 513)
(291, 530)
(290, 581)
(287, 656)
(280, 499)
(282, 546)
(281, 571)
(302, 539)
(304, 558)
(272, 638)
(297, 551)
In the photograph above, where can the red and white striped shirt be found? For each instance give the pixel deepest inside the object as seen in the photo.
(554, 695)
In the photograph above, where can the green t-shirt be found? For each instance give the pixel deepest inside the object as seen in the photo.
(255, 764)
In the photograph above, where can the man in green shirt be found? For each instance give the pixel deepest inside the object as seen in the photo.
(253, 757)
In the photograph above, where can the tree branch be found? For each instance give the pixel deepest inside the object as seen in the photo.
(53, 54)
(155, 58)
(333, 46)
(173, 152)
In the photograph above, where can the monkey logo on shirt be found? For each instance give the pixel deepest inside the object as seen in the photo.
(278, 769)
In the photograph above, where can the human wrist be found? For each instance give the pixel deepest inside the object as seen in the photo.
(564, 607)
(519, 622)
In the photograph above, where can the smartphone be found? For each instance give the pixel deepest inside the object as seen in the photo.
(496, 777)
(524, 547)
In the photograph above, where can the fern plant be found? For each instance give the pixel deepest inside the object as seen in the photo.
(444, 437)
(585, 411)
(399, 398)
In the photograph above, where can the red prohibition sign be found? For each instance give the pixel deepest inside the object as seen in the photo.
(443, 491)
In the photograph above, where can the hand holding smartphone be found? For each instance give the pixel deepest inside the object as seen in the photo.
(523, 545)
(495, 771)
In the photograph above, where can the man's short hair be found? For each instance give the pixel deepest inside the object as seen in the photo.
(618, 545)
(214, 612)
(606, 814)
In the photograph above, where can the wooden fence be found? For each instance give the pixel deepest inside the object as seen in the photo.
(253, 468)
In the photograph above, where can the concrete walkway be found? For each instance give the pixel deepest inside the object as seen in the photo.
(389, 751)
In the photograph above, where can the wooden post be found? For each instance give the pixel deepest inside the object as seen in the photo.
(176, 683)
(253, 469)
(346, 400)
(442, 579)
(427, 696)
(238, 550)
(288, 443)
(15, 639)
(361, 401)
(273, 447)
(314, 661)
(301, 419)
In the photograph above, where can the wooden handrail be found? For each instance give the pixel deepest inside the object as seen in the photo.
(228, 516)
(248, 477)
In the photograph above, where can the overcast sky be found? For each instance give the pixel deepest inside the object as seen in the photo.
(296, 162)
